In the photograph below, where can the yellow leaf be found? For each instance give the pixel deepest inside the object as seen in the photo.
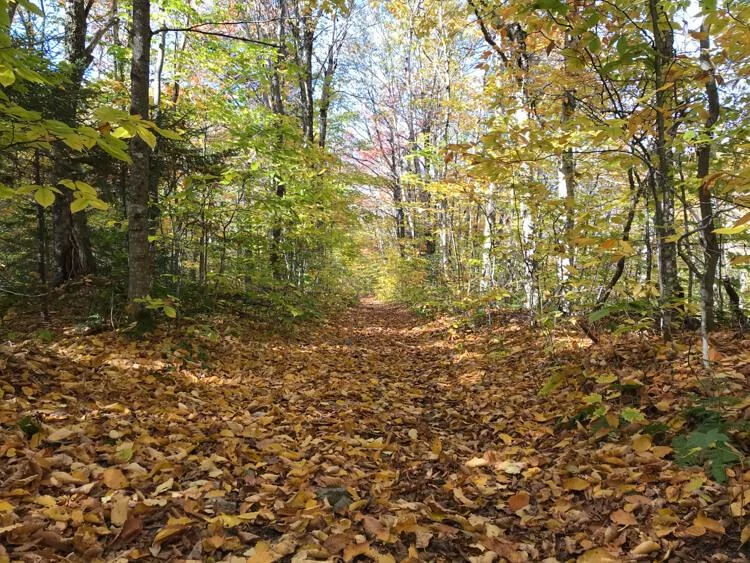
(646, 547)
(597, 555)
(641, 443)
(60, 434)
(261, 554)
(165, 486)
(745, 535)
(114, 478)
(174, 526)
(575, 484)
(506, 438)
(437, 446)
(45, 500)
(5, 506)
(57, 514)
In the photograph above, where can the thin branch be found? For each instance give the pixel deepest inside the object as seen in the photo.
(197, 29)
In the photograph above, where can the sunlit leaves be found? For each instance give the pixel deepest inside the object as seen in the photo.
(44, 196)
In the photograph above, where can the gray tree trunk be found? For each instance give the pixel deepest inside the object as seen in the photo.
(663, 173)
(139, 250)
(711, 248)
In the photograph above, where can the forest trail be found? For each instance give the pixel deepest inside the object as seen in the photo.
(378, 436)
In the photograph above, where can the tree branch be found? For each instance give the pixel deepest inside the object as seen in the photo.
(197, 29)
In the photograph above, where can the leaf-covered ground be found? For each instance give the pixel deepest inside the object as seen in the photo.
(378, 437)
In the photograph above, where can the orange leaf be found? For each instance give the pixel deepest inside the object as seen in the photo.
(519, 501)
(709, 524)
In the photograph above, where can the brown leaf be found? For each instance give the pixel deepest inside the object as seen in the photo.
(375, 528)
(132, 527)
(518, 501)
(623, 518)
(119, 514)
(354, 550)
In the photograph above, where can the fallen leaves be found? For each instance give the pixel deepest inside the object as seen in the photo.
(518, 501)
(575, 484)
(114, 478)
(399, 445)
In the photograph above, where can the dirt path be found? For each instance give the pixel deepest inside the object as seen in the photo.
(380, 437)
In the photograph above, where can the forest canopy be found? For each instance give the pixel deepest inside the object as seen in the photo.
(285, 156)
(388, 280)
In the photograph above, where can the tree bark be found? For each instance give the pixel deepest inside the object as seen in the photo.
(488, 271)
(711, 249)
(139, 250)
(72, 250)
(663, 173)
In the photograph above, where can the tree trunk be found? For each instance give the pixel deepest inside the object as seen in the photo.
(663, 173)
(711, 249)
(72, 250)
(488, 271)
(139, 250)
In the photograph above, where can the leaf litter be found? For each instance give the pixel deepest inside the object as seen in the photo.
(378, 437)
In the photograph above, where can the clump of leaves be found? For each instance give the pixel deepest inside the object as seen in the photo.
(706, 444)
(45, 335)
(29, 425)
(709, 441)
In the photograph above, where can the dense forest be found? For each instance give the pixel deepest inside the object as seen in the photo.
(354, 279)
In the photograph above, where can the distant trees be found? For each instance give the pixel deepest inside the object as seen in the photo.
(581, 159)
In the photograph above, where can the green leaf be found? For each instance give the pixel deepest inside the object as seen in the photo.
(629, 414)
(7, 76)
(122, 133)
(6, 192)
(114, 148)
(553, 382)
(168, 134)
(595, 44)
(592, 399)
(78, 204)
(30, 75)
(732, 230)
(171, 312)
(148, 137)
(44, 197)
(109, 114)
(97, 203)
